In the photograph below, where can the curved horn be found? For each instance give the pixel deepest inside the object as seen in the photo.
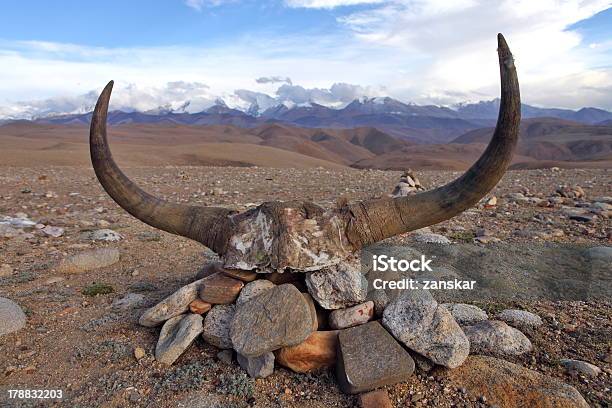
(207, 225)
(374, 220)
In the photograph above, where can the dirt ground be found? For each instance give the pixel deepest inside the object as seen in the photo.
(85, 347)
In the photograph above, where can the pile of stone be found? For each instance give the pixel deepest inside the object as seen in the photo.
(409, 184)
(326, 318)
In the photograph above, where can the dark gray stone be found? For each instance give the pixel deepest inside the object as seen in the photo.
(176, 336)
(257, 367)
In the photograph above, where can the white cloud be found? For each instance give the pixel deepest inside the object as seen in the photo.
(200, 4)
(273, 80)
(328, 4)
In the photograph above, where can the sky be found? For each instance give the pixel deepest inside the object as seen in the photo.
(184, 55)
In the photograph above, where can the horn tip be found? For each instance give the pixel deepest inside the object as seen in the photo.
(502, 46)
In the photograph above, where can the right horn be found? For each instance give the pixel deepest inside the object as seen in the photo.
(374, 220)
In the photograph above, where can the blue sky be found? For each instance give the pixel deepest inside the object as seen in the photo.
(55, 56)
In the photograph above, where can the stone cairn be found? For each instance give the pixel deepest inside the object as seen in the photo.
(313, 320)
(408, 184)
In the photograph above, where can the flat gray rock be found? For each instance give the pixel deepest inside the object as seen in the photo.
(217, 326)
(277, 318)
(12, 317)
(89, 260)
(464, 314)
(253, 289)
(369, 357)
(174, 305)
(338, 286)
(519, 318)
(496, 338)
(257, 367)
(176, 336)
(416, 319)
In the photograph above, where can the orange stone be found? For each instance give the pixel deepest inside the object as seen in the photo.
(317, 351)
(199, 306)
(375, 399)
(245, 276)
(220, 289)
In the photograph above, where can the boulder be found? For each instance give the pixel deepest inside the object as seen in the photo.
(277, 318)
(352, 316)
(492, 337)
(257, 367)
(220, 289)
(338, 286)
(12, 317)
(176, 336)
(509, 385)
(217, 326)
(89, 260)
(464, 314)
(416, 319)
(521, 319)
(317, 351)
(369, 357)
(174, 305)
(253, 289)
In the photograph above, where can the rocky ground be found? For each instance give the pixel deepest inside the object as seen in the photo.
(79, 338)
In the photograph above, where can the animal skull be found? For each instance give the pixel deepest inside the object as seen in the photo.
(302, 236)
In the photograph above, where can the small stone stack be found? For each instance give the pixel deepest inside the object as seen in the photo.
(408, 184)
(325, 318)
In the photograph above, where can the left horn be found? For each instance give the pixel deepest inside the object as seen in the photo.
(374, 220)
(207, 225)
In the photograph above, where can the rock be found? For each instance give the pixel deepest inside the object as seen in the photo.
(257, 367)
(139, 353)
(176, 335)
(422, 363)
(253, 289)
(199, 306)
(352, 316)
(491, 202)
(466, 315)
(430, 238)
(601, 253)
(279, 278)
(217, 326)
(12, 317)
(208, 269)
(89, 260)
(5, 270)
(369, 357)
(277, 318)
(375, 399)
(338, 286)
(416, 319)
(581, 367)
(519, 318)
(54, 232)
(313, 311)
(174, 305)
(570, 191)
(245, 276)
(492, 337)
(129, 301)
(509, 385)
(582, 217)
(103, 235)
(317, 351)
(226, 356)
(220, 289)
(380, 299)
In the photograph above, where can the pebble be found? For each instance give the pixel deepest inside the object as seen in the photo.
(581, 367)
(139, 353)
(257, 367)
(416, 319)
(217, 326)
(5, 270)
(176, 336)
(12, 317)
(369, 357)
(496, 338)
(521, 319)
(277, 318)
(89, 260)
(103, 235)
(129, 301)
(54, 232)
(352, 316)
(337, 287)
(465, 314)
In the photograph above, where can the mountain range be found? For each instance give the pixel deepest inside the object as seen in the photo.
(421, 124)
